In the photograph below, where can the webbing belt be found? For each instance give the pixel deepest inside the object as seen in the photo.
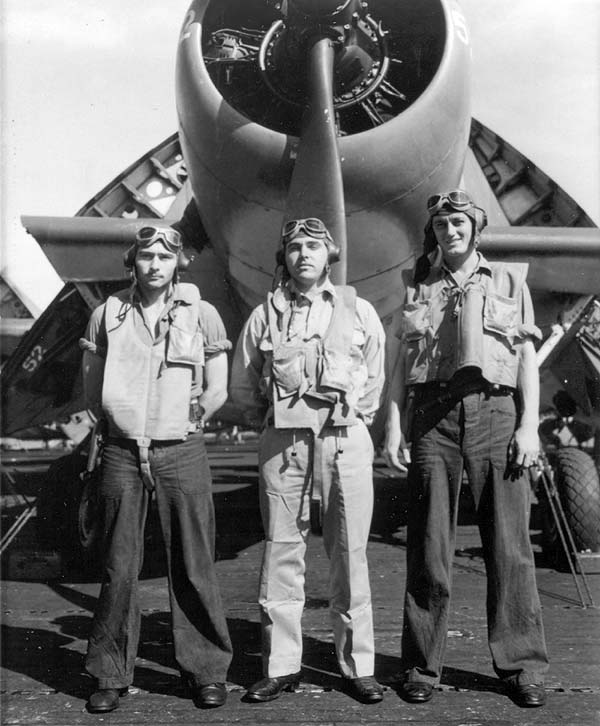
(143, 444)
(318, 474)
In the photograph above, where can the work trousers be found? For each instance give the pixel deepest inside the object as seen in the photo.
(473, 432)
(344, 463)
(185, 508)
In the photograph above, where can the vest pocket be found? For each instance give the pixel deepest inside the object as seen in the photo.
(288, 372)
(500, 314)
(336, 370)
(184, 348)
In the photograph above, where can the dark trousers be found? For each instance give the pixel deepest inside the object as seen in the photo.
(185, 508)
(473, 432)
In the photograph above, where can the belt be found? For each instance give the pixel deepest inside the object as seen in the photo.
(143, 445)
(443, 391)
(153, 442)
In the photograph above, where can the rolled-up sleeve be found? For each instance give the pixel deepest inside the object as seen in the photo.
(528, 328)
(213, 330)
(246, 373)
(214, 338)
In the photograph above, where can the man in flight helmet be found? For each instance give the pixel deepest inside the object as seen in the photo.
(466, 377)
(155, 368)
(308, 370)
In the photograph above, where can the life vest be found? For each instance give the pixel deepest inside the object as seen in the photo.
(488, 325)
(147, 387)
(310, 379)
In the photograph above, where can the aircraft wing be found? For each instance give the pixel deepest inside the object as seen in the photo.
(531, 220)
(41, 382)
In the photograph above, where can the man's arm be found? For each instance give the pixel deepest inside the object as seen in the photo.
(374, 359)
(247, 370)
(394, 438)
(525, 445)
(209, 387)
(92, 366)
(93, 378)
(214, 394)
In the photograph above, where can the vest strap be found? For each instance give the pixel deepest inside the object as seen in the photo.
(322, 473)
(143, 444)
(316, 489)
(341, 327)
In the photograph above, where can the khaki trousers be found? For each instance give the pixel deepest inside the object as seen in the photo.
(286, 460)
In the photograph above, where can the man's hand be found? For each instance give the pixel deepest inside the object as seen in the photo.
(524, 448)
(394, 441)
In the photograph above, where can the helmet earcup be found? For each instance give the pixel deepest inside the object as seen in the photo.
(480, 218)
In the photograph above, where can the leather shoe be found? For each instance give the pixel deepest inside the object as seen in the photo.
(210, 695)
(105, 699)
(528, 695)
(364, 689)
(268, 689)
(416, 691)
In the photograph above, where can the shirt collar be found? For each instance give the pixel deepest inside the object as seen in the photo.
(441, 270)
(284, 294)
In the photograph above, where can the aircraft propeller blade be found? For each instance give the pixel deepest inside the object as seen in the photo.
(316, 188)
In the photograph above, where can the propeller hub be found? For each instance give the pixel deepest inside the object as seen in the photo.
(361, 59)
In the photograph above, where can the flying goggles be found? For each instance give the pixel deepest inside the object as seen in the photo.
(312, 226)
(458, 200)
(169, 237)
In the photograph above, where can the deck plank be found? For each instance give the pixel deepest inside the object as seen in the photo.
(45, 626)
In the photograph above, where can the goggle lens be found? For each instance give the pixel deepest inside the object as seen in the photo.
(311, 225)
(457, 199)
(147, 235)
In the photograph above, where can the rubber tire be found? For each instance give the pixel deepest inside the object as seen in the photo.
(578, 486)
(65, 514)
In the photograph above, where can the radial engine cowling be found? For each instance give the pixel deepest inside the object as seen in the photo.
(401, 103)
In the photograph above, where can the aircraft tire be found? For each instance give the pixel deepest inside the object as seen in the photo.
(578, 486)
(65, 514)
(58, 502)
(88, 524)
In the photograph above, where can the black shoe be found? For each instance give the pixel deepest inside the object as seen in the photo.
(211, 695)
(417, 691)
(268, 689)
(105, 699)
(527, 695)
(365, 689)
